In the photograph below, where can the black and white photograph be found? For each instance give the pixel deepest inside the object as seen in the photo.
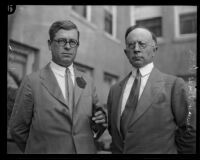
(102, 79)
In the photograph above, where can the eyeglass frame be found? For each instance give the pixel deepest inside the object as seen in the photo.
(65, 42)
(140, 45)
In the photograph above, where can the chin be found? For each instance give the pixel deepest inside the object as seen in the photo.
(137, 65)
(68, 63)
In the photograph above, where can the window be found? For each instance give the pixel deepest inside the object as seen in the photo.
(81, 10)
(23, 59)
(188, 23)
(185, 22)
(153, 24)
(108, 22)
(110, 19)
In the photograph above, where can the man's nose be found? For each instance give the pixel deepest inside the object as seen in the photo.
(67, 45)
(137, 47)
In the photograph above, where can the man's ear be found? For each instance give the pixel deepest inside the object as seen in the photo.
(155, 48)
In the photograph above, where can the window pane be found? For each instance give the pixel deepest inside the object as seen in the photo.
(153, 24)
(20, 60)
(81, 10)
(108, 22)
(188, 23)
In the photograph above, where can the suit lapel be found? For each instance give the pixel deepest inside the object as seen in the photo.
(118, 101)
(49, 81)
(78, 90)
(150, 91)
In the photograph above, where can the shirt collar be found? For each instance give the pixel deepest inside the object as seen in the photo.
(60, 69)
(143, 70)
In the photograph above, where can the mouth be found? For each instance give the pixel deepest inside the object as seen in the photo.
(137, 58)
(67, 54)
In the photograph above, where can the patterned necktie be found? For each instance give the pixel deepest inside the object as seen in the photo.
(130, 104)
(69, 90)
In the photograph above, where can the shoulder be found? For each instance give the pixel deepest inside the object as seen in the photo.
(81, 74)
(169, 77)
(34, 76)
(117, 84)
(120, 83)
(172, 79)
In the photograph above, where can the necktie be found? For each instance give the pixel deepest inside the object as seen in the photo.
(69, 90)
(130, 104)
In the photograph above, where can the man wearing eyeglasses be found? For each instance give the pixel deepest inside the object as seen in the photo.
(53, 108)
(148, 110)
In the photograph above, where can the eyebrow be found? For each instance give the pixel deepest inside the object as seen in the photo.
(137, 41)
(66, 39)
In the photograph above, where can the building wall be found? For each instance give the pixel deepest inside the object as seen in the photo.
(173, 54)
(97, 49)
(174, 57)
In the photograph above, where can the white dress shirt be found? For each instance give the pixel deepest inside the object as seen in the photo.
(59, 72)
(145, 72)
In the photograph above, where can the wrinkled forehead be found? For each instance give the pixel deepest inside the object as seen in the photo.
(139, 34)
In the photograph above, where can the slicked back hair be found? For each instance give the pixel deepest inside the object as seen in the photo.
(66, 25)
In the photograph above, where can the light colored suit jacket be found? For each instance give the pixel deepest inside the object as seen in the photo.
(41, 121)
(159, 122)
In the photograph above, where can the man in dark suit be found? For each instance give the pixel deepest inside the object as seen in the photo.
(54, 106)
(147, 110)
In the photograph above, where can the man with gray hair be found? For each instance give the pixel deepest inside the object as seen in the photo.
(148, 109)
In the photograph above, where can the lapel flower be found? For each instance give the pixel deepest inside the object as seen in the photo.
(81, 82)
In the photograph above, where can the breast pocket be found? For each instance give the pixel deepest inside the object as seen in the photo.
(160, 98)
(161, 103)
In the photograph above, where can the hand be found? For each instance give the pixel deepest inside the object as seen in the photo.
(100, 118)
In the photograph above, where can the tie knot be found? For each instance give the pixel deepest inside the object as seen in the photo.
(67, 71)
(138, 73)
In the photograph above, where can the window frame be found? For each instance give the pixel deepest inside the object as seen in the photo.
(113, 12)
(152, 11)
(177, 12)
(88, 12)
(30, 55)
(186, 14)
(148, 19)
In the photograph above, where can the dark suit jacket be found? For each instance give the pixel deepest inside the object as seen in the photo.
(159, 122)
(41, 121)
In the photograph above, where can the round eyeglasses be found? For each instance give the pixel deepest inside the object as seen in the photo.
(62, 42)
(141, 45)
